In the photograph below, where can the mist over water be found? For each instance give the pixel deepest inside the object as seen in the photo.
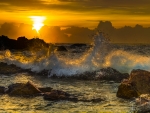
(102, 54)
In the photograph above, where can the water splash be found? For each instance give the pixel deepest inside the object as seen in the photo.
(102, 54)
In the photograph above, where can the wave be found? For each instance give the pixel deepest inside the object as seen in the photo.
(101, 55)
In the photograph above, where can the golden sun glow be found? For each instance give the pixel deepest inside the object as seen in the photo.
(37, 22)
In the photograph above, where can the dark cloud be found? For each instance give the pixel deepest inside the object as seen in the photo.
(79, 5)
(126, 34)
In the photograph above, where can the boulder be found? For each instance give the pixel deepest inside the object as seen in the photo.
(140, 80)
(137, 84)
(23, 89)
(126, 90)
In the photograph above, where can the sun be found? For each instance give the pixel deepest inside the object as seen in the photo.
(37, 22)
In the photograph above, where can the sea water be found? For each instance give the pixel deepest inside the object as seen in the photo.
(102, 54)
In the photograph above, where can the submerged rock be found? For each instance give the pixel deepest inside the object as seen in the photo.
(23, 89)
(45, 89)
(56, 95)
(137, 84)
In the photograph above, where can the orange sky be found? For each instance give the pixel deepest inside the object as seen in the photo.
(85, 13)
(68, 13)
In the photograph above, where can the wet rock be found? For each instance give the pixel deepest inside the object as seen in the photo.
(2, 90)
(143, 103)
(45, 89)
(108, 74)
(137, 84)
(9, 69)
(61, 48)
(141, 80)
(127, 91)
(56, 95)
(111, 75)
(23, 89)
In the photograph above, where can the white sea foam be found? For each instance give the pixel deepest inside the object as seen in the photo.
(101, 55)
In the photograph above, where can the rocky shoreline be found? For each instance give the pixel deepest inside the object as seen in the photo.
(30, 90)
(133, 86)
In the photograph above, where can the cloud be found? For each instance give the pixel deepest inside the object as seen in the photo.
(77, 5)
(74, 34)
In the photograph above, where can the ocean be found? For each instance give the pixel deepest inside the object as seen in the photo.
(73, 62)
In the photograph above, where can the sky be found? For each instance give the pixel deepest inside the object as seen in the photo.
(84, 15)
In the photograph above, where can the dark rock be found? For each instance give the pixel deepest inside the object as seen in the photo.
(108, 74)
(23, 89)
(77, 45)
(22, 43)
(45, 89)
(56, 95)
(111, 75)
(43, 72)
(137, 84)
(61, 48)
(9, 69)
(2, 90)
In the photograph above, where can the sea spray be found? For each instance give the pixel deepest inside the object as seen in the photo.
(90, 61)
(102, 54)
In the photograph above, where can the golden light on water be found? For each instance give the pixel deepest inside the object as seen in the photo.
(38, 22)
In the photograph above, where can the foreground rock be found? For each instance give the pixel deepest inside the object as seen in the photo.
(30, 90)
(23, 89)
(137, 84)
(143, 103)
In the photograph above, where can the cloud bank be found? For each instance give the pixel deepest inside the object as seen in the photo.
(74, 34)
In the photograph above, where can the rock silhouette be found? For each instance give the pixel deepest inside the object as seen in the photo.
(22, 43)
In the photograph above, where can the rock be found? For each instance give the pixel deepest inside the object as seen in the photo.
(9, 69)
(61, 48)
(108, 74)
(56, 95)
(126, 90)
(45, 89)
(137, 84)
(111, 75)
(78, 45)
(2, 90)
(143, 103)
(141, 81)
(22, 43)
(23, 89)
